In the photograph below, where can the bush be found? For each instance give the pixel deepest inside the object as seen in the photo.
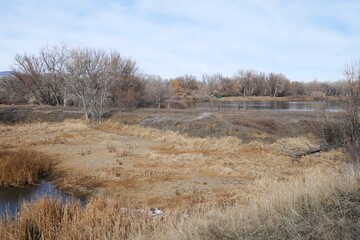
(344, 130)
(318, 96)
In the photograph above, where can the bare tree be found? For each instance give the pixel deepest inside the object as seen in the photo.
(212, 82)
(42, 75)
(127, 85)
(246, 78)
(297, 88)
(13, 91)
(29, 71)
(279, 84)
(260, 85)
(55, 58)
(157, 91)
(88, 77)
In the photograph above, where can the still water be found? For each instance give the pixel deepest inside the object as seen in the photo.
(331, 106)
(11, 198)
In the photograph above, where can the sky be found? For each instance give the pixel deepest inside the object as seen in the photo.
(305, 40)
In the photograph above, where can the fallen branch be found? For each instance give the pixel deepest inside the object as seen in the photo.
(296, 157)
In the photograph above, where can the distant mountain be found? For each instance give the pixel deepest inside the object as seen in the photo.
(5, 73)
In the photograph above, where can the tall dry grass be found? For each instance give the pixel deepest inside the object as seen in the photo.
(24, 135)
(22, 167)
(321, 205)
(100, 219)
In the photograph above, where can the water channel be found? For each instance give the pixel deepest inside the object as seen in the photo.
(330, 106)
(11, 198)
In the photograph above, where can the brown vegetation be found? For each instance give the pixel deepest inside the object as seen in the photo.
(221, 185)
(50, 219)
(320, 205)
(343, 130)
(23, 167)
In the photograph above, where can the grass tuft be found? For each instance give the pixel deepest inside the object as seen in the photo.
(22, 167)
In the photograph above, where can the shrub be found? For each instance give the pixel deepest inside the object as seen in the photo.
(344, 129)
(318, 96)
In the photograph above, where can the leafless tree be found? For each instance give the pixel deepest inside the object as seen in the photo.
(297, 88)
(12, 91)
(29, 71)
(279, 84)
(55, 58)
(260, 85)
(212, 82)
(127, 84)
(41, 75)
(157, 91)
(246, 80)
(87, 76)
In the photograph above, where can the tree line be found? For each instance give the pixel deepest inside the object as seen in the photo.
(95, 79)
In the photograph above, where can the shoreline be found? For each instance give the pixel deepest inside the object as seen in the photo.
(272, 99)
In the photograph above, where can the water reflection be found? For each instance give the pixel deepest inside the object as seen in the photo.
(11, 198)
(331, 106)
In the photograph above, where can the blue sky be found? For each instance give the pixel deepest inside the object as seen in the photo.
(305, 40)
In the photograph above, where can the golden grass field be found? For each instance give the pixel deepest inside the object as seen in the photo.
(253, 186)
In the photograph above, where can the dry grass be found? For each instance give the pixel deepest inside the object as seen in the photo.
(50, 219)
(208, 187)
(115, 159)
(22, 167)
(170, 137)
(321, 205)
(35, 134)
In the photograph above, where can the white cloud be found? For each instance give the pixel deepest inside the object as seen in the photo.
(302, 39)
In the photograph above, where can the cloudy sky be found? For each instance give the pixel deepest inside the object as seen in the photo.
(305, 39)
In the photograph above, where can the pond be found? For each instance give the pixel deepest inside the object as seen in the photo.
(330, 106)
(11, 198)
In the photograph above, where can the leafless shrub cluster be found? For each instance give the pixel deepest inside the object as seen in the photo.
(344, 129)
(318, 96)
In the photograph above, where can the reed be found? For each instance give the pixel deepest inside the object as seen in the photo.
(48, 218)
(22, 167)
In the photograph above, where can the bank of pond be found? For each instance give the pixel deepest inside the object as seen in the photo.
(11, 198)
(22, 174)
